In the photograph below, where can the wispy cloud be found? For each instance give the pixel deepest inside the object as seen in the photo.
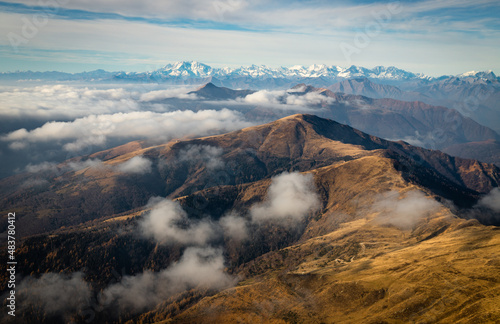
(307, 32)
(404, 211)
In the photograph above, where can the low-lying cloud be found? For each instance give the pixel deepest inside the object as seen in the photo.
(63, 101)
(234, 226)
(290, 197)
(404, 212)
(167, 222)
(286, 99)
(159, 95)
(56, 294)
(136, 165)
(198, 268)
(66, 295)
(491, 200)
(96, 130)
(211, 156)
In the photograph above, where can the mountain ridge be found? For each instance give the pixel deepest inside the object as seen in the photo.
(186, 69)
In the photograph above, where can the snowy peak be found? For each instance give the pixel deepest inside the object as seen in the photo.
(196, 69)
(187, 69)
(486, 75)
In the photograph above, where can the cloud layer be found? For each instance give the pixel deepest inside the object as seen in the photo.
(96, 130)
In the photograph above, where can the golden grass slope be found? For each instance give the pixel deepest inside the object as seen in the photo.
(367, 273)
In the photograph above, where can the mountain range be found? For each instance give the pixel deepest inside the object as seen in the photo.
(316, 222)
(420, 124)
(474, 94)
(193, 69)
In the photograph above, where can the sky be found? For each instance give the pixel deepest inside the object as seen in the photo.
(435, 37)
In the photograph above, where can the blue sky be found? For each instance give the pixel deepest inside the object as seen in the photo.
(434, 37)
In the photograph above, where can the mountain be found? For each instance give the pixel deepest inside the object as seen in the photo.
(79, 191)
(211, 91)
(487, 150)
(387, 237)
(417, 123)
(365, 87)
(183, 70)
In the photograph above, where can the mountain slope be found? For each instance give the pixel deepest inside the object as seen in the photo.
(65, 197)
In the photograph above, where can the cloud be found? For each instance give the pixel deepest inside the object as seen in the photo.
(167, 222)
(404, 212)
(55, 293)
(234, 226)
(42, 167)
(65, 101)
(491, 200)
(136, 165)
(159, 95)
(290, 197)
(286, 99)
(211, 156)
(97, 130)
(80, 165)
(197, 268)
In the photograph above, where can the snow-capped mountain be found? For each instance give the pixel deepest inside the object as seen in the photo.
(256, 76)
(485, 75)
(196, 69)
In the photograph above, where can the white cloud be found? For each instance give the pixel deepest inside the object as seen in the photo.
(42, 167)
(211, 156)
(96, 130)
(58, 294)
(290, 197)
(197, 268)
(167, 222)
(80, 165)
(404, 212)
(491, 200)
(55, 293)
(234, 226)
(65, 101)
(286, 99)
(136, 165)
(169, 93)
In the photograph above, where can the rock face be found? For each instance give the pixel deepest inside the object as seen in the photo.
(388, 239)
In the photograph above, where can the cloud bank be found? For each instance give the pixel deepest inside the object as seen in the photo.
(63, 101)
(286, 99)
(97, 130)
